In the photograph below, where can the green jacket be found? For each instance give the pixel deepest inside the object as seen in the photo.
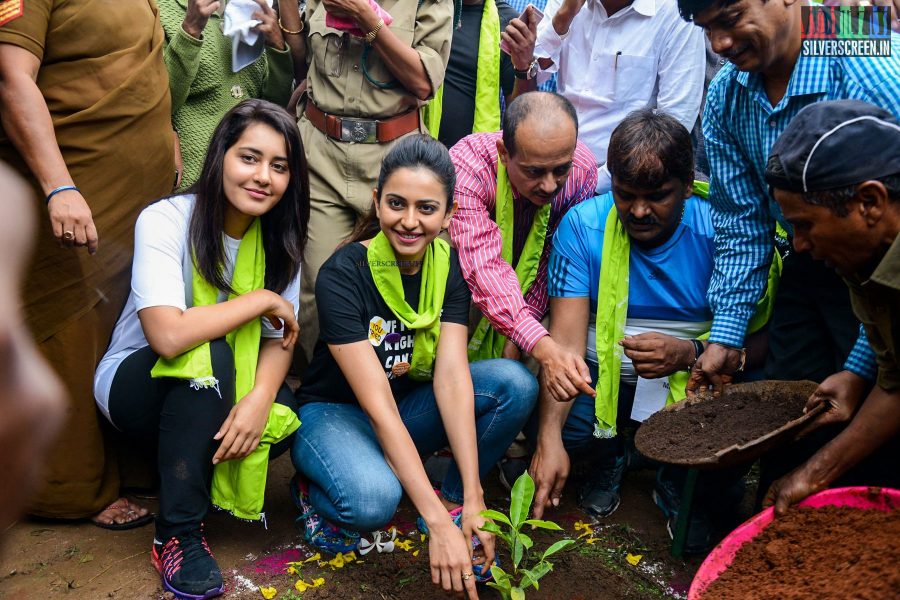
(203, 85)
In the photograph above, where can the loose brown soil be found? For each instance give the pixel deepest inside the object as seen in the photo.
(700, 430)
(817, 553)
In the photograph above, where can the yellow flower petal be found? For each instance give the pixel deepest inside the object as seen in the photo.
(268, 592)
(633, 559)
(584, 528)
(416, 553)
(350, 556)
(291, 571)
(301, 585)
(405, 544)
(421, 537)
(315, 556)
(591, 540)
(337, 562)
(318, 581)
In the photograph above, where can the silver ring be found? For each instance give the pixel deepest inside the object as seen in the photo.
(466, 576)
(68, 235)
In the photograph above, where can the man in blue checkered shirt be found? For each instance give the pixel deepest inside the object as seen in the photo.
(749, 104)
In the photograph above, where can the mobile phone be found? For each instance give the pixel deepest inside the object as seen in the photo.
(536, 14)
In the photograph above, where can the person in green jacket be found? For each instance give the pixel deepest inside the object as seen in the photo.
(202, 79)
(198, 358)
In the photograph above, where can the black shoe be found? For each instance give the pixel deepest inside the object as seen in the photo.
(187, 566)
(700, 526)
(510, 470)
(599, 495)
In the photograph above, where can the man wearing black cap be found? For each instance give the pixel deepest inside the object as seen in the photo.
(835, 173)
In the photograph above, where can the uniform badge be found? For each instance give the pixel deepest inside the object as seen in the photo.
(11, 9)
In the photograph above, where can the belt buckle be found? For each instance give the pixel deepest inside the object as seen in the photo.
(361, 131)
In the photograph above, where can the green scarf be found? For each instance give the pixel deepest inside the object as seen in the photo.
(612, 309)
(486, 342)
(238, 485)
(426, 321)
(487, 81)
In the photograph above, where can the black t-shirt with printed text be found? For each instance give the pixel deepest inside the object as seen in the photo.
(352, 310)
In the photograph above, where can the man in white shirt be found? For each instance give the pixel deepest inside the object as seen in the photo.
(611, 57)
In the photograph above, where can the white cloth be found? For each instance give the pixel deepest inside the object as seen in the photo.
(685, 330)
(161, 275)
(645, 55)
(246, 45)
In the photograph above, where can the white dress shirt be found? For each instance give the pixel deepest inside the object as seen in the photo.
(644, 55)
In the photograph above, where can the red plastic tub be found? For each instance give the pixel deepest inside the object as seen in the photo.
(865, 498)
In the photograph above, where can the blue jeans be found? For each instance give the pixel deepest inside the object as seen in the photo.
(351, 483)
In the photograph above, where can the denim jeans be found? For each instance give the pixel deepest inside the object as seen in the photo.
(351, 483)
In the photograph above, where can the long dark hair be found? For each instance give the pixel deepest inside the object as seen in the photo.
(412, 152)
(284, 228)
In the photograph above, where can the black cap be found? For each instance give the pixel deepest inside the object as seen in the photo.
(835, 144)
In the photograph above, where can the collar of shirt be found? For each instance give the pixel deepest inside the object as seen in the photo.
(811, 75)
(887, 273)
(645, 8)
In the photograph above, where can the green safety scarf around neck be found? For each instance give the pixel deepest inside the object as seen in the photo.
(238, 486)
(487, 80)
(612, 310)
(426, 320)
(486, 342)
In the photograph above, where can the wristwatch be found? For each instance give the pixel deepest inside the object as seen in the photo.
(529, 73)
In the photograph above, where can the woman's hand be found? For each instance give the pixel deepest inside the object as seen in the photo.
(241, 431)
(472, 522)
(72, 221)
(358, 10)
(198, 13)
(269, 26)
(280, 313)
(450, 553)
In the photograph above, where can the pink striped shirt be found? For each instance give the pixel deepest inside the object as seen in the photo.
(495, 289)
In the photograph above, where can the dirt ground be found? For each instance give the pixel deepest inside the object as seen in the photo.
(48, 561)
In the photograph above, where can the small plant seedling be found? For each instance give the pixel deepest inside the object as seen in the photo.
(528, 565)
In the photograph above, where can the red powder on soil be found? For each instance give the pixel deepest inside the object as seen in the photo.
(817, 553)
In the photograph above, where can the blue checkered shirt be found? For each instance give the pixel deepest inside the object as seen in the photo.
(740, 126)
(519, 5)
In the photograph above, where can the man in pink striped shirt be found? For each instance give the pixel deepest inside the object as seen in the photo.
(544, 164)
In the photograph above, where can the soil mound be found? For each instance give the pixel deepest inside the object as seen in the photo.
(818, 554)
(694, 431)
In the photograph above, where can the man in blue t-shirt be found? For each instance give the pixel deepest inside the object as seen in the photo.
(653, 219)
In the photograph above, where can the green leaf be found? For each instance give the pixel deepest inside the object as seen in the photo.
(532, 576)
(495, 515)
(501, 577)
(543, 524)
(518, 548)
(526, 541)
(520, 499)
(492, 528)
(560, 545)
(517, 593)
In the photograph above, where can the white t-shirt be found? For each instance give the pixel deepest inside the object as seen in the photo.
(161, 276)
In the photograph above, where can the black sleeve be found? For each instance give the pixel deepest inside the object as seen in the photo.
(456, 301)
(507, 77)
(339, 300)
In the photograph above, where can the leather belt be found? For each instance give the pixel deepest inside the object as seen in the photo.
(362, 131)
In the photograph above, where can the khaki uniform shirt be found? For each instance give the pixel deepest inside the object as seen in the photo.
(876, 303)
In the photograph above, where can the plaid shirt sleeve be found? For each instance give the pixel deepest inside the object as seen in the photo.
(495, 289)
(744, 229)
(862, 359)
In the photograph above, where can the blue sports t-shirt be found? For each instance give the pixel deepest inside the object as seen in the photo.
(667, 284)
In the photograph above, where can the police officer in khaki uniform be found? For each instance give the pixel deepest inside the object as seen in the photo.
(365, 85)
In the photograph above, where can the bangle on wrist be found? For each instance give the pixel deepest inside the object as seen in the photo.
(698, 350)
(289, 31)
(62, 188)
(370, 37)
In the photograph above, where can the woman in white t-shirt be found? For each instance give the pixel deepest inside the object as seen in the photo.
(199, 355)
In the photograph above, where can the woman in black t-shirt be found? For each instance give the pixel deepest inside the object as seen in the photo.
(393, 310)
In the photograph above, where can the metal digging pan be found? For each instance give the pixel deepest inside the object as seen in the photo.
(737, 453)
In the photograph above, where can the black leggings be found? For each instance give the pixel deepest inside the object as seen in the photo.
(182, 422)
